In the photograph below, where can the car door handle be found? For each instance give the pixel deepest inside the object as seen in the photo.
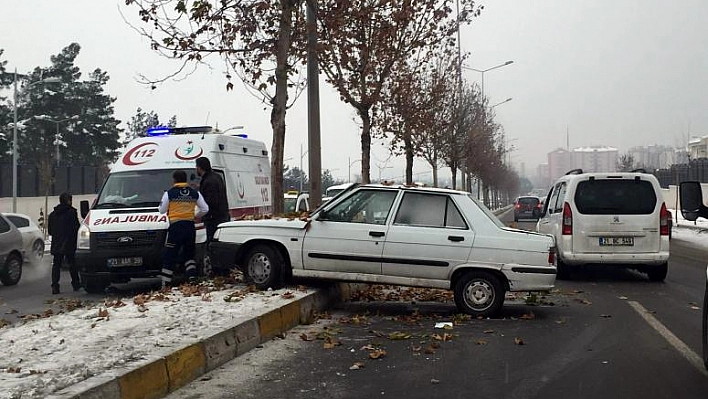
(455, 238)
(376, 233)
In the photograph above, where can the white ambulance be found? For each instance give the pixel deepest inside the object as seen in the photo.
(122, 233)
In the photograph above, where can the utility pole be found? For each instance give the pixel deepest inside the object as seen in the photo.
(313, 107)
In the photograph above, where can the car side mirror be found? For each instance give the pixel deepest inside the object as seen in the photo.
(691, 195)
(84, 205)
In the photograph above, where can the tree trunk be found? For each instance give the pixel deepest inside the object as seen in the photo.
(365, 145)
(280, 102)
(408, 145)
(435, 175)
(453, 170)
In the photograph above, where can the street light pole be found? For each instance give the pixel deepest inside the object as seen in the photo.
(349, 171)
(500, 103)
(482, 71)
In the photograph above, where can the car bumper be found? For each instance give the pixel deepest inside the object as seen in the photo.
(95, 263)
(651, 258)
(223, 255)
(530, 278)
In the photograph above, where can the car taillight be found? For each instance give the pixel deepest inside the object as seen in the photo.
(552, 255)
(664, 220)
(517, 206)
(567, 220)
(538, 205)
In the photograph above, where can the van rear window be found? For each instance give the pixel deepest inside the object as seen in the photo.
(623, 197)
(528, 201)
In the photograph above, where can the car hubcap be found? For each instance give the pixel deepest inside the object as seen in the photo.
(14, 268)
(479, 295)
(259, 267)
(38, 249)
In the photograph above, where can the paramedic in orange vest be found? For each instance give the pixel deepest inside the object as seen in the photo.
(179, 202)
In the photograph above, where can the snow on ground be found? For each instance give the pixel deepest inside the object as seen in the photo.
(45, 355)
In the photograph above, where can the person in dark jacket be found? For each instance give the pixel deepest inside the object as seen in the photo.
(213, 190)
(63, 225)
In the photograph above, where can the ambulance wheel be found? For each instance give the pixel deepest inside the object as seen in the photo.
(264, 265)
(95, 285)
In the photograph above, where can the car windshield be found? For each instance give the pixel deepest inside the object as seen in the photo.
(142, 188)
(624, 197)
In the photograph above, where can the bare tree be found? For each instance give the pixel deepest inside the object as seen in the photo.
(363, 41)
(260, 41)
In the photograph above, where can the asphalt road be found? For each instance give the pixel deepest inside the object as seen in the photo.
(603, 333)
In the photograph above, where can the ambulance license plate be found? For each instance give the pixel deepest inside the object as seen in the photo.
(616, 241)
(124, 262)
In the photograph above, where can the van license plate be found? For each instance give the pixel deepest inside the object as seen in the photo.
(123, 262)
(616, 241)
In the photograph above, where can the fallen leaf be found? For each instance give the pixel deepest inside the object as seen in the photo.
(489, 331)
(624, 298)
(397, 336)
(302, 288)
(367, 348)
(562, 320)
(377, 353)
(445, 337)
(288, 295)
(434, 381)
(357, 366)
(429, 350)
(306, 337)
(519, 341)
(416, 349)
(93, 325)
(102, 312)
(481, 342)
(528, 316)
(139, 299)
(330, 343)
(584, 301)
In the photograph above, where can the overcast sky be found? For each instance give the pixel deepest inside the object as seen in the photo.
(618, 73)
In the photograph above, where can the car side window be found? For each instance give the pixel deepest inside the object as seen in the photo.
(551, 200)
(546, 201)
(364, 206)
(561, 197)
(428, 210)
(4, 226)
(18, 221)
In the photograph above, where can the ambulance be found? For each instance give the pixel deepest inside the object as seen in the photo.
(122, 233)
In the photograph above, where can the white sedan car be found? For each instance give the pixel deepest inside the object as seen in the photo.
(32, 237)
(398, 235)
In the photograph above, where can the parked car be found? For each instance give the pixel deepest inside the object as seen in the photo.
(399, 235)
(692, 208)
(32, 237)
(296, 202)
(618, 219)
(527, 207)
(10, 252)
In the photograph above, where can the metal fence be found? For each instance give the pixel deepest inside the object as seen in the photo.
(74, 179)
(696, 170)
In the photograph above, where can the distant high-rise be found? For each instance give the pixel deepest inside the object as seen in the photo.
(653, 156)
(589, 159)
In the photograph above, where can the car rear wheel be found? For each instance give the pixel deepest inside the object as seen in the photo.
(479, 293)
(264, 266)
(657, 273)
(12, 272)
(37, 250)
(562, 272)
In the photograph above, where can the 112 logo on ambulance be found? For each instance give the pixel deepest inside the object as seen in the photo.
(140, 154)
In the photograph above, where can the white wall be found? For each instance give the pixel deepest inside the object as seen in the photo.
(30, 206)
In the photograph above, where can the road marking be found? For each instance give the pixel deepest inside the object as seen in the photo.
(679, 345)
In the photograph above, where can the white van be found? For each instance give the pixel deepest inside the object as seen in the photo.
(608, 218)
(296, 202)
(122, 233)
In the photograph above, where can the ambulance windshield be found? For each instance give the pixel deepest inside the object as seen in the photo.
(142, 188)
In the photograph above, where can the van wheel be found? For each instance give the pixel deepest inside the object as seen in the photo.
(94, 285)
(12, 270)
(562, 271)
(657, 273)
(264, 265)
(479, 293)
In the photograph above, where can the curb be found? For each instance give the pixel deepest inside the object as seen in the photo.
(158, 376)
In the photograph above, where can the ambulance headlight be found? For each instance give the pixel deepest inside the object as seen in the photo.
(84, 238)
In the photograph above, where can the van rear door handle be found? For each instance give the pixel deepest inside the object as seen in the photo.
(455, 238)
(376, 233)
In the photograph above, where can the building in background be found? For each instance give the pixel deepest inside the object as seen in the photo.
(595, 159)
(542, 178)
(559, 162)
(654, 156)
(698, 147)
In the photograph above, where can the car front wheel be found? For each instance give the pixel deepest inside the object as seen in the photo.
(264, 265)
(94, 285)
(479, 293)
(12, 272)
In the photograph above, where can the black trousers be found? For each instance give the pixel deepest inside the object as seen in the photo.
(210, 227)
(56, 269)
(180, 236)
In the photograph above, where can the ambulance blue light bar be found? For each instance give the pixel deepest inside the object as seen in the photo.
(166, 130)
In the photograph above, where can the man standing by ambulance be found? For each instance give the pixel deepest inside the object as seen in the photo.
(179, 202)
(213, 189)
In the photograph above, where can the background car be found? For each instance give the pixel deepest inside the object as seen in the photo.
(527, 207)
(10, 252)
(32, 236)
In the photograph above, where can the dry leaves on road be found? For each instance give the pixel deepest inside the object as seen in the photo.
(357, 366)
(377, 353)
(481, 342)
(444, 338)
(331, 343)
(398, 336)
(519, 341)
